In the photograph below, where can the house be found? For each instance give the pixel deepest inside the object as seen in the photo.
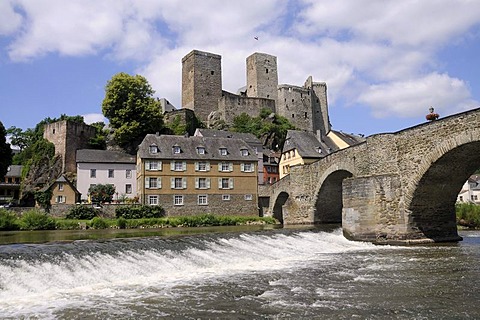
(471, 190)
(304, 147)
(194, 175)
(10, 186)
(249, 138)
(270, 172)
(106, 167)
(63, 192)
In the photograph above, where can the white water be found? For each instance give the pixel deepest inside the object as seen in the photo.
(44, 285)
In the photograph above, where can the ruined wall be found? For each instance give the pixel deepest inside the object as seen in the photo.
(232, 105)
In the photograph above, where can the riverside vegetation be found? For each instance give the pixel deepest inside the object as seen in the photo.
(127, 217)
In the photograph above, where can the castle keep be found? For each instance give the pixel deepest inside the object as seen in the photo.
(304, 106)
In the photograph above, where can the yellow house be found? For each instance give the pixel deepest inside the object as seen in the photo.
(64, 192)
(303, 147)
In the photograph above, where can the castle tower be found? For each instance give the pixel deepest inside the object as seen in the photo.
(320, 116)
(201, 83)
(68, 137)
(262, 76)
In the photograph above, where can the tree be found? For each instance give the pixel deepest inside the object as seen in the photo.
(132, 110)
(101, 192)
(5, 152)
(44, 198)
(99, 142)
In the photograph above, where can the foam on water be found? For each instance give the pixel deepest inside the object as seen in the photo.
(47, 283)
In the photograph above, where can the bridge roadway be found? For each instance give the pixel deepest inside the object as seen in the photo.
(394, 188)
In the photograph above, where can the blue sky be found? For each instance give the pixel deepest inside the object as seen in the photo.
(385, 62)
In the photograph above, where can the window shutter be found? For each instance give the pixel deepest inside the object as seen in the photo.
(230, 183)
(207, 167)
(184, 183)
(242, 167)
(147, 164)
(172, 183)
(184, 165)
(219, 167)
(230, 166)
(196, 166)
(160, 165)
(197, 185)
(159, 183)
(208, 183)
(253, 167)
(219, 183)
(147, 183)
(172, 165)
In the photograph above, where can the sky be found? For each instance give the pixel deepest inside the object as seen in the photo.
(385, 62)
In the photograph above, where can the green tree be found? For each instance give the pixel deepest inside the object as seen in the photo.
(101, 192)
(44, 198)
(100, 140)
(5, 152)
(132, 110)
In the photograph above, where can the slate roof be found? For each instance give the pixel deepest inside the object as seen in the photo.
(14, 171)
(307, 144)
(104, 156)
(247, 137)
(188, 147)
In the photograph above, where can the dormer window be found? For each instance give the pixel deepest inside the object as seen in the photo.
(176, 149)
(319, 150)
(223, 151)
(153, 149)
(244, 152)
(200, 150)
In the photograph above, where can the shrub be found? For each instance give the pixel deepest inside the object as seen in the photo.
(122, 223)
(468, 215)
(8, 220)
(36, 220)
(82, 212)
(139, 212)
(98, 223)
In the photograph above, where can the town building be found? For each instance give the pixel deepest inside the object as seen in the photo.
(63, 192)
(195, 175)
(10, 186)
(270, 173)
(106, 167)
(303, 147)
(470, 192)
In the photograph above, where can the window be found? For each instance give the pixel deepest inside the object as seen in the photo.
(269, 169)
(200, 150)
(60, 187)
(153, 183)
(461, 198)
(153, 200)
(178, 200)
(153, 149)
(176, 149)
(111, 173)
(128, 174)
(93, 173)
(225, 167)
(202, 199)
(474, 197)
(223, 151)
(225, 183)
(202, 183)
(246, 167)
(202, 166)
(178, 165)
(178, 183)
(248, 197)
(244, 152)
(153, 165)
(225, 197)
(128, 188)
(60, 199)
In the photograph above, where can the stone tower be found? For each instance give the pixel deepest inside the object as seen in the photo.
(262, 76)
(201, 83)
(320, 117)
(68, 137)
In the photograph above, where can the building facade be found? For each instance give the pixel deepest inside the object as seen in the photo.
(106, 167)
(195, 175)
(64, 192)
(10, 186)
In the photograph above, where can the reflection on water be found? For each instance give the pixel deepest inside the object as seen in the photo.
(262, 274)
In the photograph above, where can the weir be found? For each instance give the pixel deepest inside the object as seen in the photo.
(394, 188)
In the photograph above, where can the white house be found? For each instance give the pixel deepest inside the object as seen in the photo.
(106, 167)
(470, 191)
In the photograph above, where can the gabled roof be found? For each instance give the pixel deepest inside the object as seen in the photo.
(189, 145)
(103, 156)
(247, 137)
(62, 179)
(307, 144)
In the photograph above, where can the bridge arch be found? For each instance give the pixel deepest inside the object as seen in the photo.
(432, 192)
(329, 197)
(279, 206)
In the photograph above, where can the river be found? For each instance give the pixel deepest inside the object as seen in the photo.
(291, 273)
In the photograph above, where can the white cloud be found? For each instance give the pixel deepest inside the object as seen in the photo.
(10, 20)
(94, 117)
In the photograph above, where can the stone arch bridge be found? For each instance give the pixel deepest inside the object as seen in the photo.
(393, 188)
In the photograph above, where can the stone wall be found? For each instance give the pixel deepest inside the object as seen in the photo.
(262, 76)
(231, 105)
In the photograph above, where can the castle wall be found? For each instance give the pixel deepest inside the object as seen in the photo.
(262, 76)
(231, 105)
(295, 104)
(201, 82)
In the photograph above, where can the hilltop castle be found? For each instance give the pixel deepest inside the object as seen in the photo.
(304, 106)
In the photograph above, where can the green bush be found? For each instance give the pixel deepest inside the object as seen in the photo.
(36, 220)
(98, 223)
(139, 212)
(122, 223)
(8, 220)
(468, 215)
(82, 212)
